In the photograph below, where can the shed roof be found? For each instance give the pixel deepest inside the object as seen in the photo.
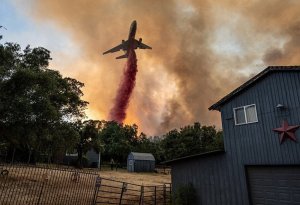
(252, 81)
(205, 154)
(143, 156)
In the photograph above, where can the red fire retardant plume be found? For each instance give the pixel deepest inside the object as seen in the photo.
(118, 111)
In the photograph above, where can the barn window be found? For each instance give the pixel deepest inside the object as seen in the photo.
(245, 114)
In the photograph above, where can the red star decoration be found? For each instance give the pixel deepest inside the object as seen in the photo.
(287, 131)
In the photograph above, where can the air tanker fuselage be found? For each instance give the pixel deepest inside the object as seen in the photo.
(132, 30)
(130, 44)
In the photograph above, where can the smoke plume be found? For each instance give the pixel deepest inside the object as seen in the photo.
(201, 51)
(118, 111)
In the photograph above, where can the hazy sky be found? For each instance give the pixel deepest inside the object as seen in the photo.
(201, 50)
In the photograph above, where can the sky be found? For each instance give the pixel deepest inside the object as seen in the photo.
(202, 50)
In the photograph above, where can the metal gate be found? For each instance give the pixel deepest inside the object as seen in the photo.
(109, 191)
(25, 184)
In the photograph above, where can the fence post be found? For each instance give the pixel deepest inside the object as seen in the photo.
(40, 194)
(170, 193)
(97, 187)
(124, 187)
(141, 195)
(45, 178)
(165, 201)
(154, 195)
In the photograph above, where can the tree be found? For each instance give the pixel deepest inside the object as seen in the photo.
(172, 146)
(191, 140)
(185, 195)
(119, 140)
(211, 139)
(147, 144)
(36, 103)
(89, 138)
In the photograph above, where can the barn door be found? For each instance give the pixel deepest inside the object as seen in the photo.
(274, 185)
(130, 165)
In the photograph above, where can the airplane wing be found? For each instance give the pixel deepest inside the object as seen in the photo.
(143, 46)
(115, 49)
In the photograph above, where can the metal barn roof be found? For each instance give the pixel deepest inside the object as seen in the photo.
(252, 81)
(142, 156)
(205, 154)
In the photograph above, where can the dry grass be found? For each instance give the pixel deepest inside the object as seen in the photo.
(153, 188)
(137, 178)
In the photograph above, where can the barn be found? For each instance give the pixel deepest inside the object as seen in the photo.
(261, 160)
(140, 162)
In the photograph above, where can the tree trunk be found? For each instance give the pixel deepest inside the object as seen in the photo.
(29, 154)
(13, 156)
(49, 156)
(79, 151)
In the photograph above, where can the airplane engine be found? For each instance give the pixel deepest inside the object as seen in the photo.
(140, 40)
(123, 41)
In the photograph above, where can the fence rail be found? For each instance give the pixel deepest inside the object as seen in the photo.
(24, 184)
(47, 185)
(163, 169)
(109, 191)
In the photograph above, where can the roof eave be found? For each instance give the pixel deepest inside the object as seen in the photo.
(222, 101)
(211, 153)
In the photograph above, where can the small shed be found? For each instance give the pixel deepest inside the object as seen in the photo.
(93, 158)
(140, 162)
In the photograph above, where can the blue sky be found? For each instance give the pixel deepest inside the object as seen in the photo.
(23, 29)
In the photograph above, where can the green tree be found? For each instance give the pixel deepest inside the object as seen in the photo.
(191, 140)
(36, 103)
(185, 195)
(148, 144)
(119, 140)
(89, 138)
(211, 139)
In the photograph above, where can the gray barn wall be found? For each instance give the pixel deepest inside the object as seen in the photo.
(209, 176)
(250, 144)
(140, 165)
(144, 166)
(93, 157)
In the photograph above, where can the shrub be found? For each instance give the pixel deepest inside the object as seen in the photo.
(185, 195)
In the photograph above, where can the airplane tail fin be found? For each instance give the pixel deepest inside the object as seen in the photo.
(123, 56)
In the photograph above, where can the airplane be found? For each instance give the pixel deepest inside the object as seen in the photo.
(131, 43)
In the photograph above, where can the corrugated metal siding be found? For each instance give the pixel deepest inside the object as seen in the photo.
(259, 144)
(274, 184)
(209, 177)
(144, 166)
(142, 156)
(222, 180)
